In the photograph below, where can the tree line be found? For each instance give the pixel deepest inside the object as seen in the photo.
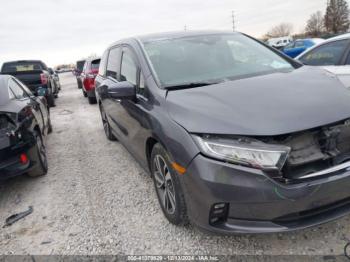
(335, 21)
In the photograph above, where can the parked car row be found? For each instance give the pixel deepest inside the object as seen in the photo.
(86, 72)
(237, 136)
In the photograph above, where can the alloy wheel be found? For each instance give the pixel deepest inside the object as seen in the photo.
(105, 122)
(42, 151)
(164, 185)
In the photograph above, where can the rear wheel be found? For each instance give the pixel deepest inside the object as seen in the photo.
(50, 99)
(49, 126)
(39, 156)
(92, 100)
(168, 187)
(106, 126)
(84, 93)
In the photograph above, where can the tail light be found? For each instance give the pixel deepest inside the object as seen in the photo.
(23, 159)
(89, 80)
(44, 79)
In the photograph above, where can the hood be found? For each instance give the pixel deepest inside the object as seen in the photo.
(342, 72)
(273, 104)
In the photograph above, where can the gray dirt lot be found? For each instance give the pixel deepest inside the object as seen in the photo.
(97, 200)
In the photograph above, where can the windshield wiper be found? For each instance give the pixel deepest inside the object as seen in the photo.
(190, 85)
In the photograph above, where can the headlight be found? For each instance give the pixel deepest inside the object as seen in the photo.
(244, 151)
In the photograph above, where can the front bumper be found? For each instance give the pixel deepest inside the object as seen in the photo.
(257, 203)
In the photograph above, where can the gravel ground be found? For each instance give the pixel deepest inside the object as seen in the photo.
(97, 200)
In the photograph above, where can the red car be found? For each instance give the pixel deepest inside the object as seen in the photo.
(88, 75)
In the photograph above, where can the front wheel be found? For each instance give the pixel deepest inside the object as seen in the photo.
(39, 156)
(106, 126)
(168, 187)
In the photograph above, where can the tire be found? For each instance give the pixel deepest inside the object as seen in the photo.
(79, 84)
(84, 93)
(50, 99)
(39, 156)
(168, 187)
(106, 126)
(92, 100)
(50, 126)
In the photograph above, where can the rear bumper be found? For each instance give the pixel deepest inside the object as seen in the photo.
(11, 166)
(256, 203)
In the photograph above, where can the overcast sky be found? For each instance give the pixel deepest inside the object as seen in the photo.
(63, 31)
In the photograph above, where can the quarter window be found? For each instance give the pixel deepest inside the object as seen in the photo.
(18, 92)
(327, 54)
(129, 69)
(113, 63)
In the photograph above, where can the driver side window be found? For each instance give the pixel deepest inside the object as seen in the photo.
(327, 54)
(17, 90)
(128, 69)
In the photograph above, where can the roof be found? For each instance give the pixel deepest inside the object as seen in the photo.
(171, 35)
(339, 37)
(179, 34)
(24, 61)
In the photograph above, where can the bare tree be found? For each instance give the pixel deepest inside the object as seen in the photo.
(283, 29)
(337, 16)
(315, 24)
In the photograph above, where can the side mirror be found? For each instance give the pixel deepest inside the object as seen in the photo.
(122, 90)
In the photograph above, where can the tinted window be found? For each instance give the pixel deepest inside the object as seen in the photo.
(95, 64)
(212, 58)
(80, 65)
(348, 60)
(129, 69)
(113, 62)
(327, 54)
(17, 90)
(14, 67)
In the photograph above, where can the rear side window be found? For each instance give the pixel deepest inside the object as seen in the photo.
(299, 44)
(80, 65)
(129, 69)
(95, 64)
(17, 90)
(113, 63)
(327, 54)
(21, 67)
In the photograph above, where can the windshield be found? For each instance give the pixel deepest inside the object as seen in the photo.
(211, 58)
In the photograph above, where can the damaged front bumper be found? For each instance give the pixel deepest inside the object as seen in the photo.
(255, 203)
